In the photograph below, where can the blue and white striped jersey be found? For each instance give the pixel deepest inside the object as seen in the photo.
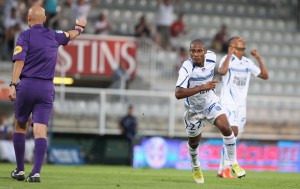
(235, 83)
(191, 76)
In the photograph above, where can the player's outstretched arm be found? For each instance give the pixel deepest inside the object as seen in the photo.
(264, 73)
(181, 92)
(224, 68)
(79, 27)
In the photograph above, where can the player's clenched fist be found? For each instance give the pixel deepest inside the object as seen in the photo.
(231, 50)
(255, 54)
(211, 84)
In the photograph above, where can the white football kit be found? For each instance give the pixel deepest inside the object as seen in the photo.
(205, 104)
(234, 90)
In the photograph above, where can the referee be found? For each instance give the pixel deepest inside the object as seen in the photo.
(32, 88)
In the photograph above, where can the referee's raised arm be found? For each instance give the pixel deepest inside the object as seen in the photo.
(79, 27)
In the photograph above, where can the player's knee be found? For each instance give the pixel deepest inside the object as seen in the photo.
(193, 144)
(235, 131)
(225, 129)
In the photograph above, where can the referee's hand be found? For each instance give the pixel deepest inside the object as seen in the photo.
(81, 22)
(12, 93)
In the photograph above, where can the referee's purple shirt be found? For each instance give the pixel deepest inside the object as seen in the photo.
(38, 47)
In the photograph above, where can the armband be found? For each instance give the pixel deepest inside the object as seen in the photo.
(13, 84)
(79, 30)
(80, 26)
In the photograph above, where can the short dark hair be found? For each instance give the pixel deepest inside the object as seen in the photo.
(232, 40)
(197, 41)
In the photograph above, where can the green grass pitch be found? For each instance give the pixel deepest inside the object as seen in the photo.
(122, 177)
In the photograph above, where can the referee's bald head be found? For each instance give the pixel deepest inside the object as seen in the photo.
(36, 15)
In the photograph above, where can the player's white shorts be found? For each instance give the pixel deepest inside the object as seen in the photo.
(236, 116)
(194, 122)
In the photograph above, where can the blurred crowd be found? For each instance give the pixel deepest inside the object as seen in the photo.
(13, 17)
(167, 31)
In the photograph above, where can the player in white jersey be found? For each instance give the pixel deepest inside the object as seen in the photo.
(236, 70)
(195, 83)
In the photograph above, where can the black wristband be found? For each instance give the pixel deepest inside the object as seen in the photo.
(80, 26)
(13, 84)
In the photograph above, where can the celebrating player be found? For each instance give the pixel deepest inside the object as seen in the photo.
(195, 83)
(34, 65)
(236, 70)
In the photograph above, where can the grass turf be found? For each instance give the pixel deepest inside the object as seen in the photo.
(121, 177)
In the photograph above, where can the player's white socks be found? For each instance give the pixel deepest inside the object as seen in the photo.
(230, 149)
(222, 160)
(194, 156)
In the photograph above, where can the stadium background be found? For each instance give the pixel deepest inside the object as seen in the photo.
(86, 117)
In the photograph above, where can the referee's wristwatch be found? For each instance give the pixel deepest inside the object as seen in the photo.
(13, 84)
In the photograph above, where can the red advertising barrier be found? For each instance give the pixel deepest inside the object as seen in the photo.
(97, 55)
(4, 94)
(3, 91)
